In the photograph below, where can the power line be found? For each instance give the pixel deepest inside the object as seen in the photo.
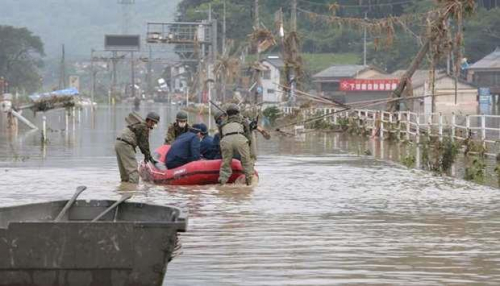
(357, 6)
(329, 16)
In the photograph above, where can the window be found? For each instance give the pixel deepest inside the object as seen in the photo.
(330, 86)
(267, 75)
(270, 91)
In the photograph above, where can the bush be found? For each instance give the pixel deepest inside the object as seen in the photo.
(272, 113)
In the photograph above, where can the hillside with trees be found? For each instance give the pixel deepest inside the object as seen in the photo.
(320, 36)
(20, 58)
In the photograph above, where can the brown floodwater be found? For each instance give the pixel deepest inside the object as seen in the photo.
(321, 215)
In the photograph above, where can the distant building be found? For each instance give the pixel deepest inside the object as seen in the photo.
(354, 83)
(485, 73)
(179, 78)
(465, 101)
(271, 77)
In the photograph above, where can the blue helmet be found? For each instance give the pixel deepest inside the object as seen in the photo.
(203, 128)
(196, 128)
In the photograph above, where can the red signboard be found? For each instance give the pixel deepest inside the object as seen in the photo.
(368, 84)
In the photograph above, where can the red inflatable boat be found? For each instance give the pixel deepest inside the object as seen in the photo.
(201, 172)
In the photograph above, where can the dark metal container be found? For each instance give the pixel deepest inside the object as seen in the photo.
(130, 245)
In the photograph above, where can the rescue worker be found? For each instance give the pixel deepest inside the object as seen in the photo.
(235, 138)
(177, 128)
(206, 140)
(132, 136)
(185, 149)
(137, 103)
(214, 151)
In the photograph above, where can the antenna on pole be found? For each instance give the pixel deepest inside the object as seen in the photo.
(126, 15)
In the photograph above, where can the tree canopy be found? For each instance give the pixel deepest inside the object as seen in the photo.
(316, 36)
(20, 58)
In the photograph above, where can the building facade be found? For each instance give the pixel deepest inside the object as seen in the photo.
(271, 78)
(485, 73)
(354, 83)
(464, 100)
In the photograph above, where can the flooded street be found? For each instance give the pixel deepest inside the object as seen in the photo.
(319, 216)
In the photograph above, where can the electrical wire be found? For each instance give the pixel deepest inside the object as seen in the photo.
(357, 6)
(413, 15)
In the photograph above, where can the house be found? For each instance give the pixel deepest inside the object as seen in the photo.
(465, 100)
(485, 73)
(179, 78)
(271, 77)
(355, 83)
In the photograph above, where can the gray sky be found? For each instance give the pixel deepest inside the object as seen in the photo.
(82, 24)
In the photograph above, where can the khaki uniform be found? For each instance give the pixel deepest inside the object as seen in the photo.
(235, 139)
(175, 131)
(253, 146)
(253, 141)
(136, 135)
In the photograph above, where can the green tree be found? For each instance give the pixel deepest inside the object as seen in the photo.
(396, 56)
(481, 33)
(20, 58)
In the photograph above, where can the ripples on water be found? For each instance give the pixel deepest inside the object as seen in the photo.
(319, 216)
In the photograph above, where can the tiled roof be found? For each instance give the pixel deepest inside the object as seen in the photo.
(420, 77)
(277, 62)
(491, 61)
(340, 71)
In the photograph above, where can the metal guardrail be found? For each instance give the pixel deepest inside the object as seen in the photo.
(406, 125)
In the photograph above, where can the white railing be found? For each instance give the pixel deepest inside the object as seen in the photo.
(411, 126)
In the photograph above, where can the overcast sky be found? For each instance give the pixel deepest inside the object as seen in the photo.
(82, 24)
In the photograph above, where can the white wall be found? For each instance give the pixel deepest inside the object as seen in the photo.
(445, 101)
(180, 83)
(271, 84)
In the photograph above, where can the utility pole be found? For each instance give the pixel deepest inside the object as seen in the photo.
(448, 56)
(212, 57)
(224, 87)
(293, 80)
(114, 61)
(173, 73)
(224, 27)
(150, 72)
(92, 78)
(210, 12)
(364, 41)
(257, 72)
(132, 79)
(192, 39)
(62, 71)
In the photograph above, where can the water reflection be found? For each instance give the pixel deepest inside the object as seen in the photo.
(319, 216)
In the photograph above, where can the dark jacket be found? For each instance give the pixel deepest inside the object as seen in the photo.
(206, 146)
(185, 149)
(215, 153)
